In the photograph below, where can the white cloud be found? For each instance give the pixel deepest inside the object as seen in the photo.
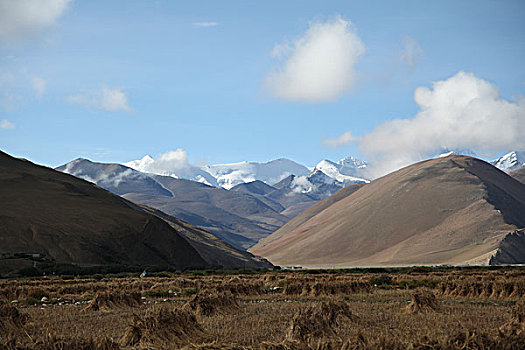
(167, 163)
(462, 112)
(106, 99)
(205, 24)
(319, 66)
(39, 85)
(6, 124)
(411, 51)
(23, 18)
(339, 141)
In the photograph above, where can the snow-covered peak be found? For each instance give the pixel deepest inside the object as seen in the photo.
(342, 171)
(174, 164)
(351, 163)
(447, 152)
(141, 164)
(230, 175)
(320, 177)
(510, 161)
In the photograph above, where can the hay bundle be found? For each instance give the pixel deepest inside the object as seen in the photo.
(319, 320)
(422, 301)
(208, 304)
(483, 289)
(11, 319)
(516, 325)
(111, 300)
(293, 288)
(163, 327)
(238, 287)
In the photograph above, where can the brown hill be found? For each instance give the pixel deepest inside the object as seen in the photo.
(453, 210)
(519, 174)
(54, 221)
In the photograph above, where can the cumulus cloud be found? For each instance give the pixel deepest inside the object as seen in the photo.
(411, 51)
(339, 141)
(6, 124)
(205, 24)
(462, 112)
(39, 85)
(24, 18)
(319, 66)
(109, 100)
(168, 163)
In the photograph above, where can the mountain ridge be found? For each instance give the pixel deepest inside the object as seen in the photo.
(68, 221)
(383, 223)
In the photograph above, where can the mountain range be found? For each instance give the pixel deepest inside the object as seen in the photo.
(55, 221)
(238, 202)
(227, 176)
(346, 171)
(241, 215)
(449, 210)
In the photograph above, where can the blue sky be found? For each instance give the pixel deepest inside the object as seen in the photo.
(115, 80)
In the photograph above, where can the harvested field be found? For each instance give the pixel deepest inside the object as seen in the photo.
(108, 301)
(423, 301)
(207, 303)
(420, 309)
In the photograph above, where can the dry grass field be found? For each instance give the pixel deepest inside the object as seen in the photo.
(434, 309)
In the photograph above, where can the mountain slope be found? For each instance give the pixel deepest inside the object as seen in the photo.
(452, 210)
(239, 217)
(214, 251)
(519, 174)
(115, 178)
(69, 221)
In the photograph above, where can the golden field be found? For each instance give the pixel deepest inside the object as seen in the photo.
(410, 309)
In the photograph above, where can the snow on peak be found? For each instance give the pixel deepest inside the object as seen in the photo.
(230, 175)
(445, 152)
(510, 161)
(175, 164)
(343, 171)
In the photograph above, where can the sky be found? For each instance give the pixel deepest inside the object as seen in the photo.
(390, 82)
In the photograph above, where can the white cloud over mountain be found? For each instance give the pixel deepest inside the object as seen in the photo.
(106, 99)
(24, 18)
(462, 112)
(339, 141)
(319, 66)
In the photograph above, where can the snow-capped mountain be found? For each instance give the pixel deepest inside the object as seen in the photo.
(174, 168)
(343, 171)
(510, 161)
(347, 171)
(447, 152)
(116, 178)
(327, 178)
(229, 175)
